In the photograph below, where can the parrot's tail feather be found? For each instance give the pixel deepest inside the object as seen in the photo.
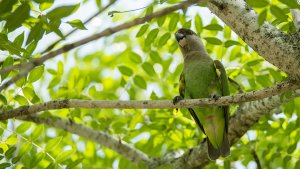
(213, 153)
(224, 150)
(225, 147)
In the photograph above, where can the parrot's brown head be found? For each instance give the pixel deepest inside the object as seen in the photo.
(188, 41)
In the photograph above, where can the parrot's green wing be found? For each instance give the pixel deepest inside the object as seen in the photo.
(225, 88)
(225, 148)
(192, 112)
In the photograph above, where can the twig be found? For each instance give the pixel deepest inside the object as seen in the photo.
(150, 104)
(253, 152)
(99, 137)
(236, 84)
(106, 32)
(85, 22)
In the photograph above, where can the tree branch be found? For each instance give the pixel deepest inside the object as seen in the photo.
(278, 48)
(28, 66)
(85, 22)
(99, 137)
(150, 104)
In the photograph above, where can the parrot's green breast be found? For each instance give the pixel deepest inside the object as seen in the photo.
(201, 81)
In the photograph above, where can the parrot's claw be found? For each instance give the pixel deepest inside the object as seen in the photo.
(176, 99)
(216, 97)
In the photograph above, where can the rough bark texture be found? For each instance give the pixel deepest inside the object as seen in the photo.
(278, 48)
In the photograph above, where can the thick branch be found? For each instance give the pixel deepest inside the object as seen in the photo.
(150, 104)
(85, 22)
(28, 66)
(278, 48)
(99, 137)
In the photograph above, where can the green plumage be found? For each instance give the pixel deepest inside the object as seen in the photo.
(203, 77)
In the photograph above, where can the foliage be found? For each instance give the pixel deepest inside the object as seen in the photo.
(137, 64)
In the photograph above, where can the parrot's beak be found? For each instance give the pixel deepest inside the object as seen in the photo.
(180, 39)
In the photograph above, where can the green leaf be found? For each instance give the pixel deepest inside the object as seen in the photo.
(64, 156)
(214, 27)
(213, 40)
(21, 82)
(227, 32)
(155, 57)
(297, 165)
(46, 5)
(142, 30)
(99, 3)
(23, 127)
(51, 144)
(198, 23)
(36, 159)
(16, 19)
(15, 159)
(6, 6)
(30, 48)
(163, 39)
(60, 68)
(77, 24)
(12, 48)
(161, 20)
(19, 40)
(54, 82)
(278, 13)
(140, 82)
(173, 22)
(52, 71)
(54, 27)
(291, 3)
(7, 62)
(4, 165)
(28, 92)
(25, 147)
(21, 100)
(38, 130)
(3, 99)
(10, 151)
(254, 62)
(62, 11)
(73, 164)
(292, 148)
(148, 68)
(134, 57)
(36, 74)
(257, 3)
(229, 43)
(151, 36)
(262, 17)
(36, 33)
(125, 70)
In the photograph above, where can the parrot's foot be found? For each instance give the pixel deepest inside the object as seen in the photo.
(216, 97)
(176, 99)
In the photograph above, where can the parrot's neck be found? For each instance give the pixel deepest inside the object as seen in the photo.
(196, 55)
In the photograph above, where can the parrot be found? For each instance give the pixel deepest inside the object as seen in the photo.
(203, 77)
